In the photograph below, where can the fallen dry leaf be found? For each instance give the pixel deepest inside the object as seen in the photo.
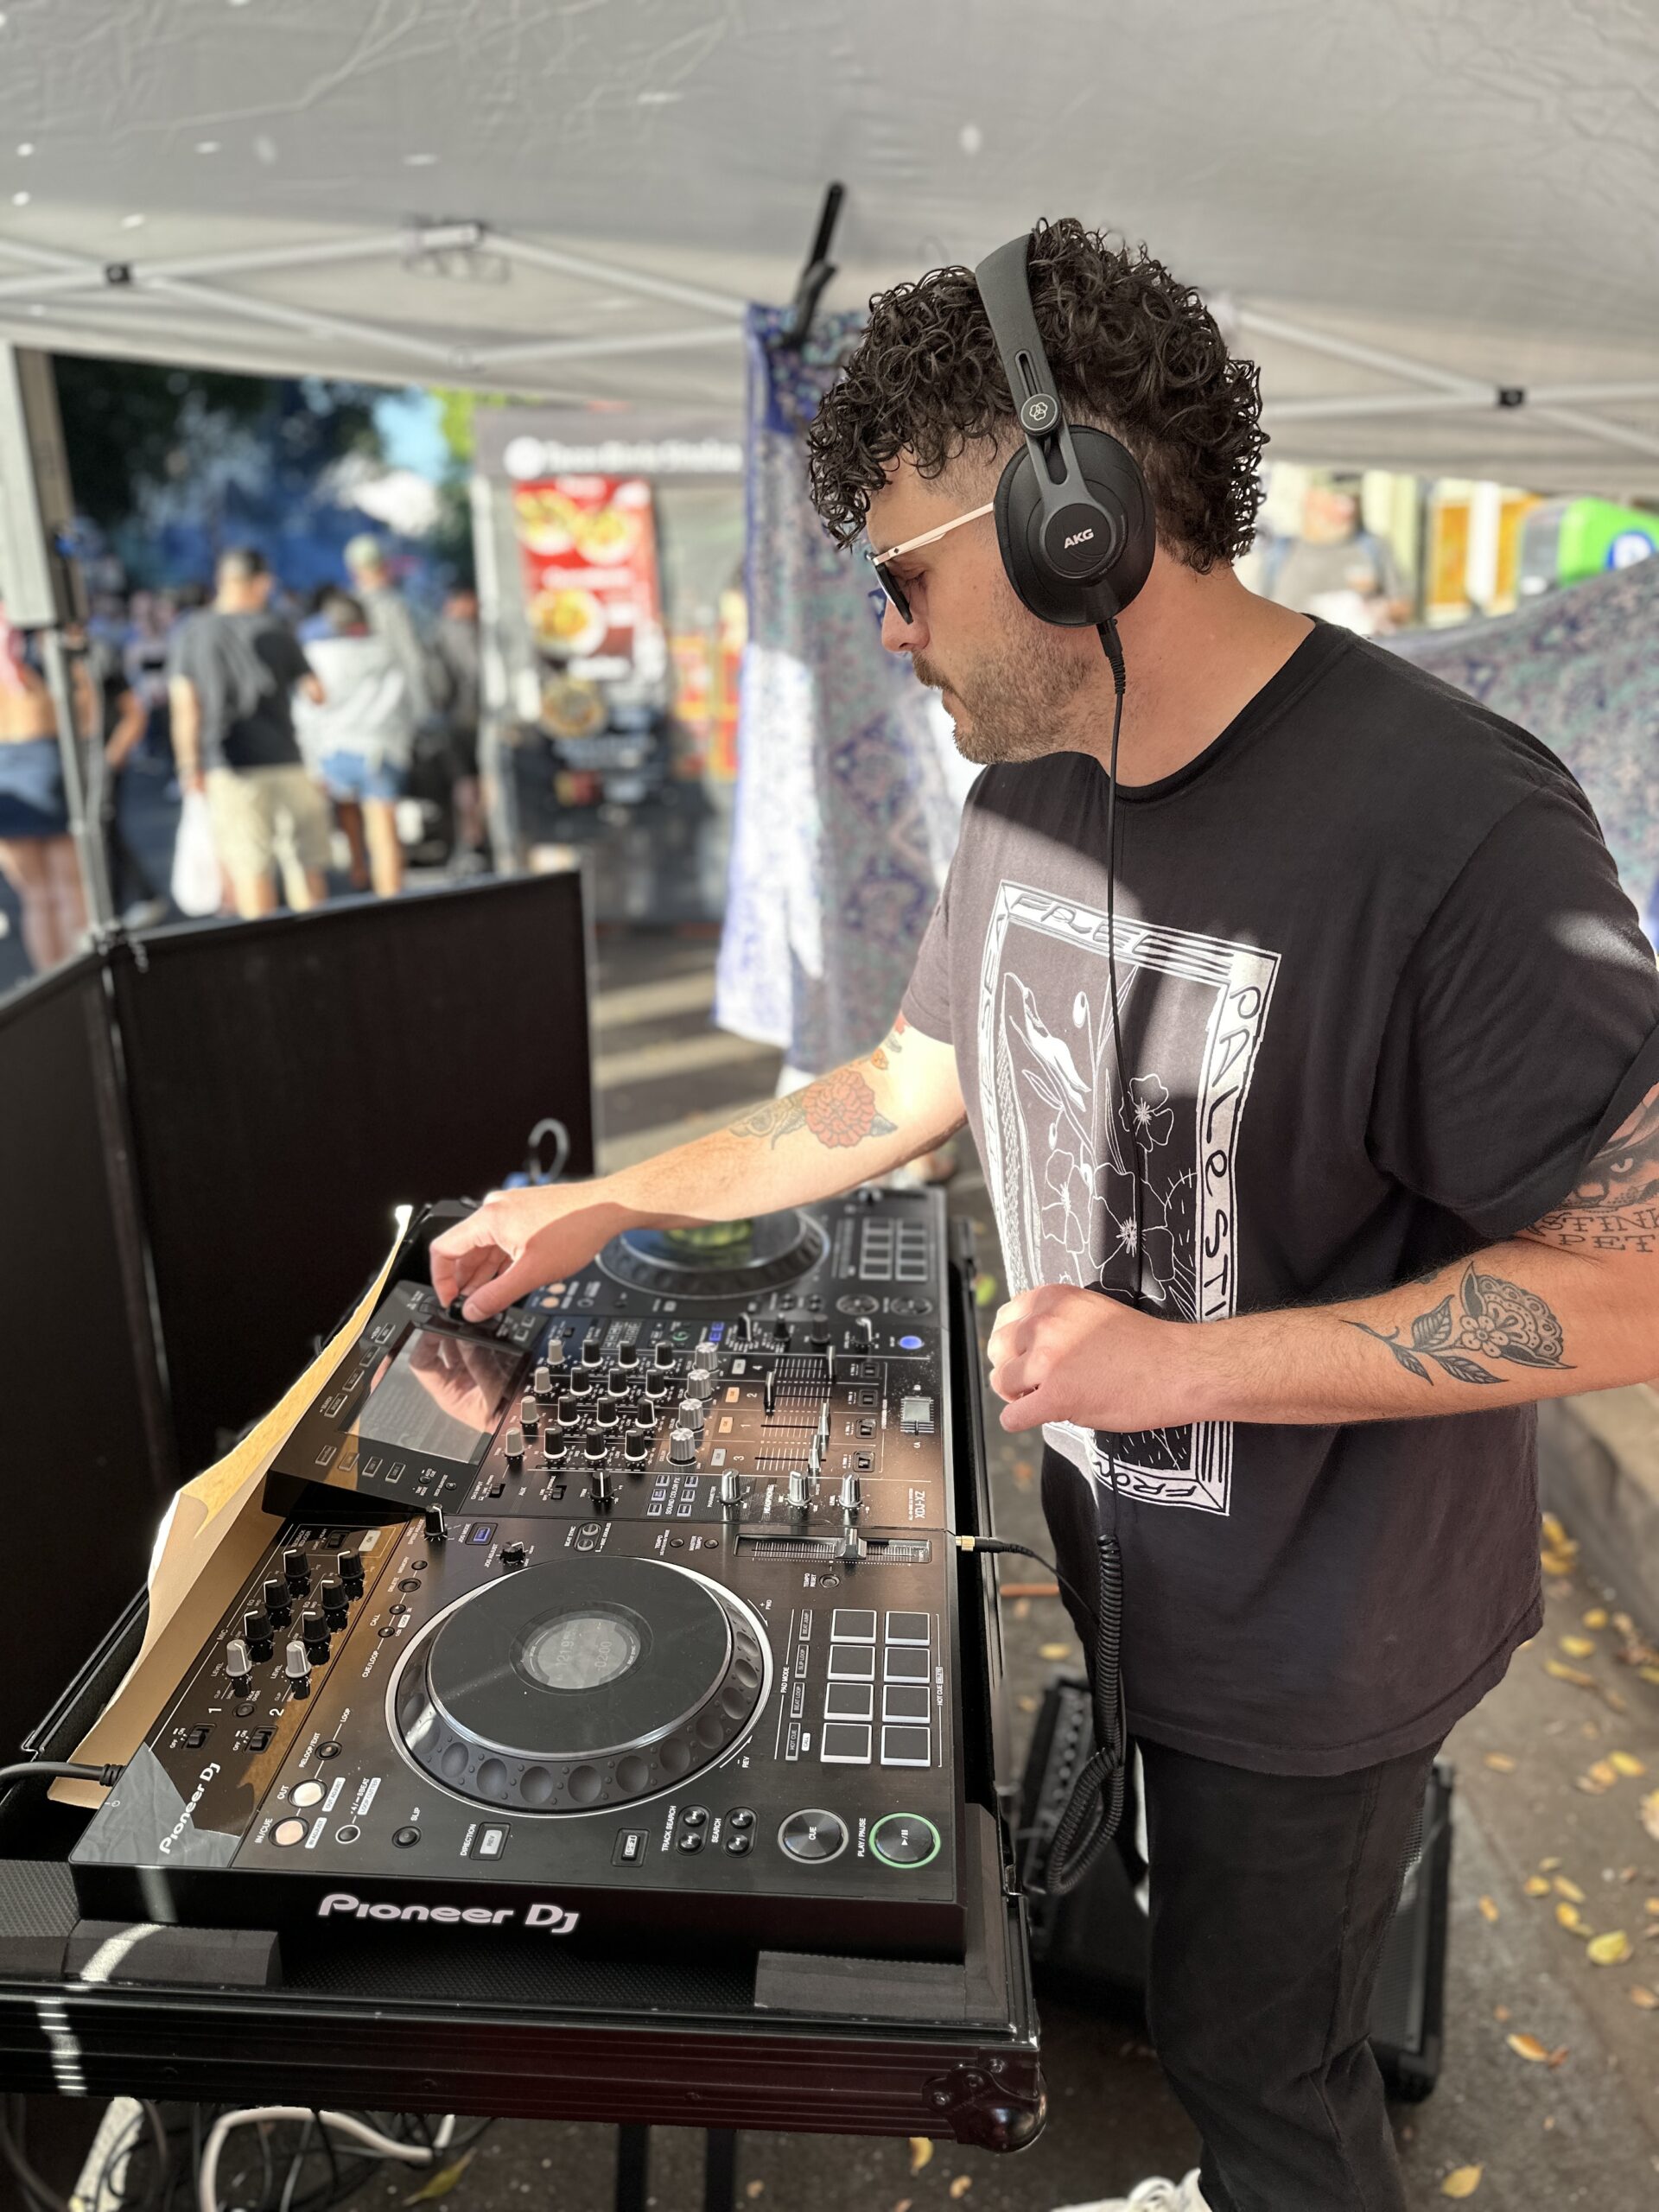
(1577, 1646)
(962, 2184)
(904, 2204)
(1650, 1811)
(1528, 2047)
(1022, 1609)
(1500, 2011)
(1651, 1904)
(1555, 1536)
(1596, 1617)
(1500, 1762)
(1563, 1673)
(1590, 1788)
(1567, 1889)
(1557, 2057)
(1462, 2181)
(1027, 1704)
(1610, 1950)
(1644, 1997)
(921, 2150)
(1488, 1910)
(1649, 1674)
(1547, 1865)
(1536, 1886)
(755, 2188)
(1605, 1772)
(441, 2182)
(1054, 1652)
(1626, 1764)
(1569, 1919)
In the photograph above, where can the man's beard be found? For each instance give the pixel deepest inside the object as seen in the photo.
(1013, 702)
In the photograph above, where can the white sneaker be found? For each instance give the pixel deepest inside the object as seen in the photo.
(1154, 2194)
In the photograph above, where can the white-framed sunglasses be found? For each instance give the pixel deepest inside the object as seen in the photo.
(884, 576)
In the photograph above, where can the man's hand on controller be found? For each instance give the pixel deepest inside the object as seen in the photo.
(519, 1240)
(1058, 1354)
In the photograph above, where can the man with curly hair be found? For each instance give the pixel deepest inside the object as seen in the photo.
(1384, 1174)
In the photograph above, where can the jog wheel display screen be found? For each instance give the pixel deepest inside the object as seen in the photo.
(441, 1397)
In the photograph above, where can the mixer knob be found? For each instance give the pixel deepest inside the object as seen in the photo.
(569, 1410)
(800, 1490)
(683, 1447)
(279, 1602)
(256, 1634)
(237, 1665)
(769, 1389)
(296, 1570)
(606, 1416)
(297, 1667)
(513, 1555)
(818, 1337)
(530, 1416)
(349, 1568)
(731, 1491)
(620, 1384)
(691, 1413)
(332, 1595)
(738, 1331)
(700, 1383)
(663, 1353)
(851, 1496)
(515, 1446)
(627, 1353)
(659, 1384)
(434, 1527)
(542, 1381)
(596, 1450)
(601, 1487)
(866, 1329)
(593, 1349)
(638, 1442)
(314, 1631)
(554, 1354)
(581, 1380)
(555, 1448)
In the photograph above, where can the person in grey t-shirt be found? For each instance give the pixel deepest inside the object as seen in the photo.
(1383, 1169)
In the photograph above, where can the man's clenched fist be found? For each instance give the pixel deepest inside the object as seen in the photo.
(519, 1240)
(1058, 1354)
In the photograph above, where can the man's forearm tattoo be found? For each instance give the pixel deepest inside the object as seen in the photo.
(839, 1110)
(1484, 1318)
(1616, 1205)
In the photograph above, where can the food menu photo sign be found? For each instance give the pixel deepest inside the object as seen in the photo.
(589, 547)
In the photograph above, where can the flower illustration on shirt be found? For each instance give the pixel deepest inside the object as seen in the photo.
(1147, 1113)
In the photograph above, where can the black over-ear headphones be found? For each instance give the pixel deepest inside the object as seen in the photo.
(1074, 517)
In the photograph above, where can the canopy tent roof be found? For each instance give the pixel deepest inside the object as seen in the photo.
(1404, 207)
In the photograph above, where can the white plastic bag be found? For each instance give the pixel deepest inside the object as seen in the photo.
(195, 861)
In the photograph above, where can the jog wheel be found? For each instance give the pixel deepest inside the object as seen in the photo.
(726, 1260)
(580, 1684)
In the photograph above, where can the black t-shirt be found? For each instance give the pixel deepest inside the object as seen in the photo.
(244, 668)
(1381, 997)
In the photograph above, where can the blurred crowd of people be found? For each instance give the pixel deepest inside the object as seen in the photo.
(284, 733)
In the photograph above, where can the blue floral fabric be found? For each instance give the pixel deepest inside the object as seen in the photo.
(1579, 669)
(846, 814)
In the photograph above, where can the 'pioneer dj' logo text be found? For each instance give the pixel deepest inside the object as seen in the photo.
(551, 1919)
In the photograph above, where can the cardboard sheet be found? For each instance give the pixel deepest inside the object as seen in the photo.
(214, 1531)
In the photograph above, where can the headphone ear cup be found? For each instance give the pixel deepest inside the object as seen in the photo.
(1115, 482)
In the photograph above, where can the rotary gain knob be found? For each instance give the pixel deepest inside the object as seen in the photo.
(683, 1447)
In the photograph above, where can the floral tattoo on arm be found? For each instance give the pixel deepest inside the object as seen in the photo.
(840, 1110)
(1485, 1316)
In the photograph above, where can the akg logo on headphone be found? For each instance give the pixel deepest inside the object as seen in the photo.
(1077, 537)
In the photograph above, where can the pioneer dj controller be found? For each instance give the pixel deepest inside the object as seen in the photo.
(630, 1613)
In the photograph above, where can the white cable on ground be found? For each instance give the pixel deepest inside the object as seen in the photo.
(414, 2154)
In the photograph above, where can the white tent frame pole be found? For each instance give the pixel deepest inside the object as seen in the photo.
(1445, 382)
(308, 318)
(1431, 403)
(320, 254)
(586, 349)
(622, 279)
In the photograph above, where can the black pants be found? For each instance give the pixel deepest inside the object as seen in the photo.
(1271, 1896)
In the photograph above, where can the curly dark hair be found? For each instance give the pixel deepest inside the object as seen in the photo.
(1133, 351)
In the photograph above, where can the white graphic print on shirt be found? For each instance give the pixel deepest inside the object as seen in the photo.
(1059, 1141)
